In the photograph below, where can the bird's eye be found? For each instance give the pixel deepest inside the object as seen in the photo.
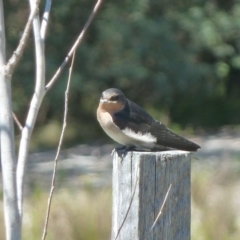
(114, 98)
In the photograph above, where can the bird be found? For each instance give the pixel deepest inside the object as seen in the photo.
(131, 126)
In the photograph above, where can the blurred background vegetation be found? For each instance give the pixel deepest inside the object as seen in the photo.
(178, 59)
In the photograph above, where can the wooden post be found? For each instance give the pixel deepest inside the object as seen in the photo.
(141, 181)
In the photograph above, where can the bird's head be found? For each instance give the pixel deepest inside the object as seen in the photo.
(112, 100)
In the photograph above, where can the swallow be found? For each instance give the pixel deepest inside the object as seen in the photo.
(131, 126)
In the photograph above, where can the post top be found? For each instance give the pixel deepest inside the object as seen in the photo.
(163, 155)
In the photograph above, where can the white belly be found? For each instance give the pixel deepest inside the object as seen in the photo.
(125, 137)
(117, 135)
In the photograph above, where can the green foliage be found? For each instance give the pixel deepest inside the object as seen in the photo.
(180, 57)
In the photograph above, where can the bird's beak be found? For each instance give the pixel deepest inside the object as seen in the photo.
(102, 100)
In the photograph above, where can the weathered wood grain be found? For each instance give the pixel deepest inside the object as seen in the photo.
(140, 183)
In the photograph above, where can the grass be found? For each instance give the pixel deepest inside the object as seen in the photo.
(80, 215)
(85, 214)
(216, 201)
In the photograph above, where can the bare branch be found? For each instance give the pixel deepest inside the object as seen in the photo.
(160, 211)
(7, 147)
(39, 93)
(45, 19)
(58, 150)
(74, 47)
(9, 68)
(2, 39)
(34, 107)
(17, 121)
(8, 159)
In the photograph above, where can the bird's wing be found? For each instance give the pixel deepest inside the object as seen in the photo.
(135, 118)
(168, 138)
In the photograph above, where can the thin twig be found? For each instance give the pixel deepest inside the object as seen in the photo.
(17, 121)
(58, 151)
(160, 211)
(74, 47)
(9, 68)
(130, 204)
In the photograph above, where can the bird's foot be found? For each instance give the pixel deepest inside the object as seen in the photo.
(122, 151)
